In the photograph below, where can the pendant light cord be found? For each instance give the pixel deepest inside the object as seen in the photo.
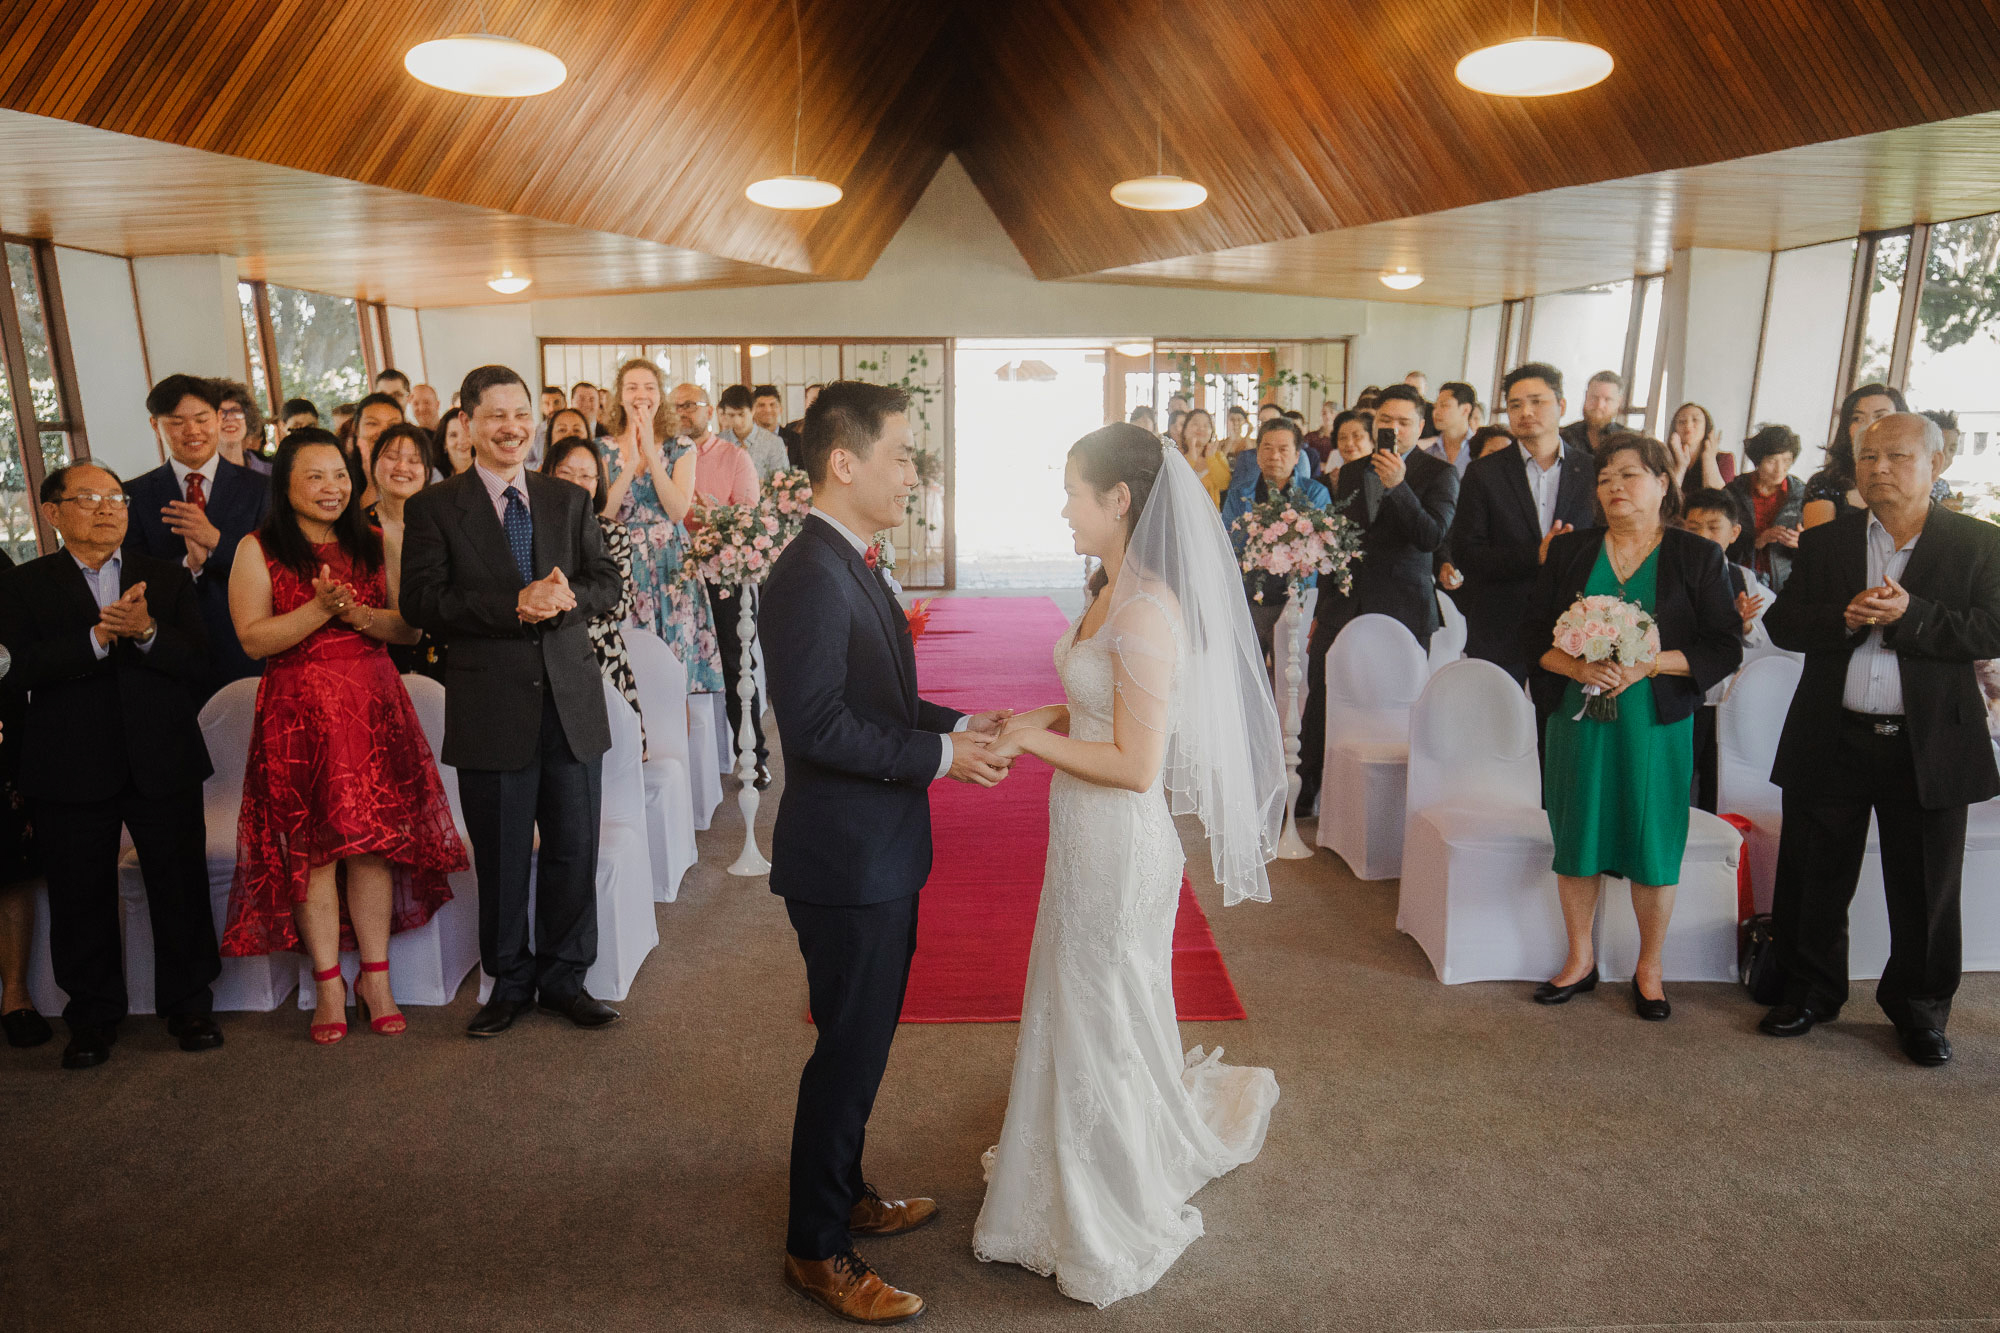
(1160, 103)
(799, 88)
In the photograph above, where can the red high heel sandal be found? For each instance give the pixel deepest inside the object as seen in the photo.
(390, 1025)
(326, 1034)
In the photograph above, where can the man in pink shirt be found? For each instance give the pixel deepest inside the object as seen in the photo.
(724, 475)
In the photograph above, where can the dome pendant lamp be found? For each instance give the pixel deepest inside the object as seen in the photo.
(1159, 192)
(480, 64)
(1535, 65)
(794, 192)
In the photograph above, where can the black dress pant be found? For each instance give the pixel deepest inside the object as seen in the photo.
(1707, 758)
(1819, 859)
(724, 609)
(857, 967)
(562, 795)
(79, 843)
(1312, 718)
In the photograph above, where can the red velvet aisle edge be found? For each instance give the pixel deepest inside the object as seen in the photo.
(978, 914)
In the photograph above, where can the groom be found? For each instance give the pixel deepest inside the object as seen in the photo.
(853, 840)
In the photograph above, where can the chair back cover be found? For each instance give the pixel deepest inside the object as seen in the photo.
(1374, 672)
(226, 721)
(662, 693)
(427, 697)
(1747, 726)
(1448, 643)
(1472, 741)
(624, 780)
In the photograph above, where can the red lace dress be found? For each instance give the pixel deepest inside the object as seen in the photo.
(338, 766)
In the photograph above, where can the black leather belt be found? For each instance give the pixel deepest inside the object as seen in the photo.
(1882, 724)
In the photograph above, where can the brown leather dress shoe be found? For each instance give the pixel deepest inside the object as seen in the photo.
(847, 1286)
(874, 1215)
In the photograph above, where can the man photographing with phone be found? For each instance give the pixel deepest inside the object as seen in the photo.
(1404, 502)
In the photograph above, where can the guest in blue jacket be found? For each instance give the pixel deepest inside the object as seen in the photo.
(1280, 471)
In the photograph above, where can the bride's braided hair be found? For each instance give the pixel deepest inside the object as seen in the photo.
(1115, 453)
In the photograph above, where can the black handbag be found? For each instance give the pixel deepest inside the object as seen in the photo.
(1757, 960)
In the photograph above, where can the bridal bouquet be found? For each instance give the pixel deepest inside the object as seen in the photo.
(1606, 629)
(1291, 540)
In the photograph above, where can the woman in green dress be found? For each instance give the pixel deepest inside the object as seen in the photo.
(1618, 791)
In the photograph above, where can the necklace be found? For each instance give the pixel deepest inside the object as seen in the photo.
(1629, 568)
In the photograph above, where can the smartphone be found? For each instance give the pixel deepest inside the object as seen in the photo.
(1385, 438)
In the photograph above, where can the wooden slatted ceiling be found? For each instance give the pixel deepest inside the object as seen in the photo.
(671, 107)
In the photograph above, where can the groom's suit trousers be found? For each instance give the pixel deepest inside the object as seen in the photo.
(857, 968)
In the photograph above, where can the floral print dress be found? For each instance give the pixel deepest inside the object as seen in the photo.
(663, 599)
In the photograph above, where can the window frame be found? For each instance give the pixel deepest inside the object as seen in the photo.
(28, 428)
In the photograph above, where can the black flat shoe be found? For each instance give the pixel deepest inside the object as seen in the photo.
(582, 1009)
(1550, 993)
(496, 1016)
(195, 1032)
(1926, 1046)
(1653, 1011)
(1791, 1020)
(25, 1028)
(88, 1047)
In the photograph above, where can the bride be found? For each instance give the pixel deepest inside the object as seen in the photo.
(1109, 1128)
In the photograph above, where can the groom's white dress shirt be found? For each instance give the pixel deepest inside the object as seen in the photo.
(944, 759)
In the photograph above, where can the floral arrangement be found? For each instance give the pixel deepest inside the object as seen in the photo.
(919, 616)
(738, 544)
(882, 553)
(790, 494)
(1606, 629)
(1290, 540)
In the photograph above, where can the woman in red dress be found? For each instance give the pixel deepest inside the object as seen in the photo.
(339, 773)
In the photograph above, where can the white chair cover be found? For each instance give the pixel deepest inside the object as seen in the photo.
(1374, 672)
(1448, 643)
(1478, 892)
(1281, 650)
(426, 965)
(1701, 942)
(708, 730)
(626, 928)
(1748, 723)
(669, 794)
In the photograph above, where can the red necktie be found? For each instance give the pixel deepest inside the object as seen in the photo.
(196, 496)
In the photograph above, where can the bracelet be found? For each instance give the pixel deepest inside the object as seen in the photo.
(1652, 668)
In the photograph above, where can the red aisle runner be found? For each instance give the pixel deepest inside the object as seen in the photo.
(978, 914)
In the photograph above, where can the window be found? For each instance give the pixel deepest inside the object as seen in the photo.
(250, 295)
(318, 346)
(1954, 351)
(1581, 333)
(1880, 302)
(40, 428)
(1798, 368)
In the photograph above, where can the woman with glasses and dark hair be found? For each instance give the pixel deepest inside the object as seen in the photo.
(575, 458)
(240, 438)
(399, 468)
(339, 777)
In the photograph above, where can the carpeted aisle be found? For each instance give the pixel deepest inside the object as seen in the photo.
(979, 907)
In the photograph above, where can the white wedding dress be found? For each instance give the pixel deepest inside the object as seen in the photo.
(1109, 1127)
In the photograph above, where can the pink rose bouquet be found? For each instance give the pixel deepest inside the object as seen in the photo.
(1604, 628)
(1292, 540)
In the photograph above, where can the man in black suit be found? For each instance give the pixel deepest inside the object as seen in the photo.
(1511, 503)
(110, 647)
(1404, 500)
(793, 432)
(852, 845)
(1891, 608)
(507, 567)
(193, 509)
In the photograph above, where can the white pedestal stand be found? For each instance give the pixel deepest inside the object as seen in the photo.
(1290, 846)
(751, 861)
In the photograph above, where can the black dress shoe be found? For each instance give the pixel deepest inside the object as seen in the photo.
(496, 1016)
(582, 1009)
(1308, 798)
(1653, 1011)
(1791, 1020)
(195, 1032)
(88, 1047)
(764, 778)
(1550, 993)
(25, 1028)
(1926, 1046)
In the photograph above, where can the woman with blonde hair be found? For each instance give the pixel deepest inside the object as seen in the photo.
(651, 489)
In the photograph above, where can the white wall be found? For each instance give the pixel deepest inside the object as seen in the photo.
(1401, 338)
(406, 343)
(1713, 315)
(461, 339)
(110, 359)
(193, 321)
(1799, 385)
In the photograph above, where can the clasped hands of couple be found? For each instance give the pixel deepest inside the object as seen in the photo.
(985, 751)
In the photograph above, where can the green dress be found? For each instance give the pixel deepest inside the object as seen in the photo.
(1617, 792)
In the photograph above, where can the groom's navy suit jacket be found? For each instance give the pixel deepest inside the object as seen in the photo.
(861, 749)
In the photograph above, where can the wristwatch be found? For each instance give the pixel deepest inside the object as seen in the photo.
(152, 632)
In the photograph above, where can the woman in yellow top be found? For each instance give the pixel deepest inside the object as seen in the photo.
(1205, 453)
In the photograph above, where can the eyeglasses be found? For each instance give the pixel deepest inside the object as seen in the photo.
(236, 412)
(687, 405)
(90, 501)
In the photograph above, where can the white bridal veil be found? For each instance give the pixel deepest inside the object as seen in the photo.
(1188, 665)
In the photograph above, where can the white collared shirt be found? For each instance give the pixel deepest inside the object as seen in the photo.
(1874, 673)
(207, 471)
(1544, 483)
(861, 548)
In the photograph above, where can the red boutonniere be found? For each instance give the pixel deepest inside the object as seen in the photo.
(919, 616)
(868, 558)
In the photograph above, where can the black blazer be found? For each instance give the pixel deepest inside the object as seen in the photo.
(1693, 606)
(861, 750)
(1394, 576)
(90, 727)
(1497, 539)
(1953, 621)
(236, 505)
(460, 584)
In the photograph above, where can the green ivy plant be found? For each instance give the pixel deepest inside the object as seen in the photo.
(930, 461)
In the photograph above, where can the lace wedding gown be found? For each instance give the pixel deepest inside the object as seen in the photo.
(1109, 1128)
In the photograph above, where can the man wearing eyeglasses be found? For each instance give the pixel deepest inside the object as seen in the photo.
(195, 508)
(110, 647)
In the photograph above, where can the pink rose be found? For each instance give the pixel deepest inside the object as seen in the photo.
(1570, 639)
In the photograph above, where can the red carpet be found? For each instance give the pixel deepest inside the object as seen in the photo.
(978, 914)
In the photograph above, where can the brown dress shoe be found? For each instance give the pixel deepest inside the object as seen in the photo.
(874, 1215)
(849, 1287)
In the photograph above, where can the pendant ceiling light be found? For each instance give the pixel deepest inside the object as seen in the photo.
(480, 64)
(507, 284)
(1133, 349)
(1401, 279)
(1159, 192)
(793, 192)
(1535, 65)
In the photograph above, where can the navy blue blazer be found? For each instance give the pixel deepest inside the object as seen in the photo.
(861, 749)
(1394, 576)
(236, 505)
(1496, 540)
